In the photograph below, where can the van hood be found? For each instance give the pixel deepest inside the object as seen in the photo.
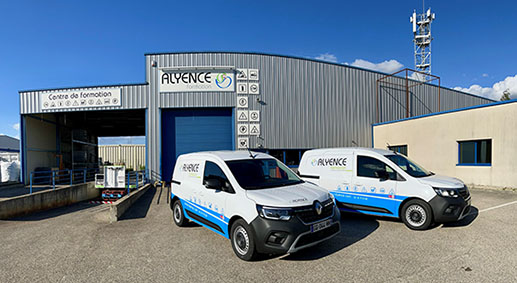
(288, 196)
(442, 182)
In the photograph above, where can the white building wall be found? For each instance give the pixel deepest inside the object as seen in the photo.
(433, 142)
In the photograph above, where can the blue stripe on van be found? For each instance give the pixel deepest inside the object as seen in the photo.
(209, 215)
(386, 201)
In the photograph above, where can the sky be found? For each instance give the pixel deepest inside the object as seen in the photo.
(53, 44)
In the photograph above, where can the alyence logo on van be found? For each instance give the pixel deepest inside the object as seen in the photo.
(339, 163)
(190, 167)
(333, 161)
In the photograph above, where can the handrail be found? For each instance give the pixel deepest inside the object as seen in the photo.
(62, 177)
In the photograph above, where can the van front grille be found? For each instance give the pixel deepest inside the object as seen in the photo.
(307, 214)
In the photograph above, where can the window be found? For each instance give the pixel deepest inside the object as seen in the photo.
(369, 166)
(408, 166)
(475, 153)
(212, 171)
(254, 174)
(399, 148)
(292, 157)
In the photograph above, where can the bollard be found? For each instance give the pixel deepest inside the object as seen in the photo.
(31, 184)
(53, 180)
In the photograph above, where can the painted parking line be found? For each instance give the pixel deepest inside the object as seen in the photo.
(498, 206)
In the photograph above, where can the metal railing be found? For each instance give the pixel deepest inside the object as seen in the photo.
(62, 177)
(135, 179)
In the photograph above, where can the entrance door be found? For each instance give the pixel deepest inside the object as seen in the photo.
(192, 130)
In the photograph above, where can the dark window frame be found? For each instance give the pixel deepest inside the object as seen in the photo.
(476, 143)
(392, 178)
(283, 152)
(228, 189)
(397, 148)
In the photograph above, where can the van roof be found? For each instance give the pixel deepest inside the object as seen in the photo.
(359, 149)
(227, 155)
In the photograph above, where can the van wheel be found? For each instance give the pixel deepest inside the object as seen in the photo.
(177, 214)
(417, 215)
(243, 243)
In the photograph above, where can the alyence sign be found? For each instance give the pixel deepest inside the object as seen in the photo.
(196, 80)
(80, 99)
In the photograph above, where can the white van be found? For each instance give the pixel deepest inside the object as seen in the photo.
(385, 183)
(252, 199)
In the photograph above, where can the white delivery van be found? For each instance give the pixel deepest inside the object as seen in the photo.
(385, 183)
(252, 199)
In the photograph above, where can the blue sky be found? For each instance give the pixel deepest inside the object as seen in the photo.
(51, 44)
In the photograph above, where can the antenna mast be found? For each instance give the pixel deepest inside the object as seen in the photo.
(422, 39)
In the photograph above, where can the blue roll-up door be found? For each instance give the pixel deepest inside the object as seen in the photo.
(191, 130)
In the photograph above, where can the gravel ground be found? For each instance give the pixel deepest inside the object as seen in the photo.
(75, 244)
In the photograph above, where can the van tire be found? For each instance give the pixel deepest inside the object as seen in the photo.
(417, 215)
(243, 242)
(177, 214)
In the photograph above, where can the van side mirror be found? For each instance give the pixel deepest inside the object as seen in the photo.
(214, 184)
(383, 175)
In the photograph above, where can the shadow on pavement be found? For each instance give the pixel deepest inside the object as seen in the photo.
(354, 227)
(473, 214)
(55, 212)
(20, 191)
(140, 208)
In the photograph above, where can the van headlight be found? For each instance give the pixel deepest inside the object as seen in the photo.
(453, 193)
(274, 213)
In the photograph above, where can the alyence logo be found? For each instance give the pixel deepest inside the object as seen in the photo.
(338, 161)
(223, 81)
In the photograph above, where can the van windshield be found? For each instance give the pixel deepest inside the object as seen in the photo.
(254, 174)
(409, 166)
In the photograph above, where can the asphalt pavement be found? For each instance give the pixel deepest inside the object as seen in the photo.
(75, 244)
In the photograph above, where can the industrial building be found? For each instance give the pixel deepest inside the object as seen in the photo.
(475, 144)
(9, 148)
(223, 100)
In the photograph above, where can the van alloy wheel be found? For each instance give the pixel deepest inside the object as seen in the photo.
(242, 241)
(177, 214)
(417, 214)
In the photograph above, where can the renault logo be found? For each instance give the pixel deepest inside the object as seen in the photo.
(318, 207)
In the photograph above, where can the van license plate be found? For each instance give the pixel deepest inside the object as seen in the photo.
(321, 225)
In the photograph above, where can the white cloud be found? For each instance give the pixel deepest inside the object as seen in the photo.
(327, 57)
(485, 75)
(16, 126)
(496, 91)
(389, 66)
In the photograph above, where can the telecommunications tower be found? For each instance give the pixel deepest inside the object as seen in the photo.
(422, 39)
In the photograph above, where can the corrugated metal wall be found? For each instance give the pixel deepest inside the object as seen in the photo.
(132, 97)
(132, 155)
(303, 103)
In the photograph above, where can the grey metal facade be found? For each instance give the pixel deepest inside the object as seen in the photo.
(304, 103)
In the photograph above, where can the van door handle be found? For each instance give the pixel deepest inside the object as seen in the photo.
(358, 185)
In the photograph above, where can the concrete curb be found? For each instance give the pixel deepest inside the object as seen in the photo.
(44, 200)
(118, 208)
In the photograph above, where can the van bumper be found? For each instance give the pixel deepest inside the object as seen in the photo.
(292, 235)
(447, 209)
